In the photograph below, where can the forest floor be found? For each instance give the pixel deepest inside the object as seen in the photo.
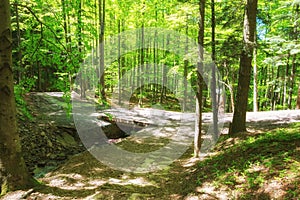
(262, 163)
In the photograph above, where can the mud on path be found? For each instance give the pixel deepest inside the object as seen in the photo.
(56, 156)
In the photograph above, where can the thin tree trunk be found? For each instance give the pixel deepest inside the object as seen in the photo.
(298, 98)
(39, 77)
(286, 82)
(101, 45)
(292, 82)
(154, 87)
(79, 44)
(213, 71)
(119, 62)
(186, 63)
(255, 74)
(65, 20)
(294, 68)
(141, 74)
(163, 76)
(198, 121)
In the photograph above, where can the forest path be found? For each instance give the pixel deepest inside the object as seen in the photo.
(55, 98)
(86, 119)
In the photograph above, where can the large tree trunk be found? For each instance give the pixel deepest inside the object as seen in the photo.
(239, 116)
(198, 123)
(13, 173)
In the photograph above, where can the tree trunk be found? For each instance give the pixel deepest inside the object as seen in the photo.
(298, 98)
(20, 66)
(80, 47)
(154, 89)
(164, 74)
(186, 63)
(141, 74)
(213, 71)
(13, 172)
(239, 116)
(198, 122)
(255, 75)
(119, 63)
(101, 46)
(286, 81)
(292, 82)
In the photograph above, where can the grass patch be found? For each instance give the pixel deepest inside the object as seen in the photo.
(143, 145)
(256, 164)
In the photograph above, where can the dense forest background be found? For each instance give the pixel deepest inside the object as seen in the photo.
(76, 48)
(53, 38)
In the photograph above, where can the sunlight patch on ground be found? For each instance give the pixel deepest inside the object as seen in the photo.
(19, 194)
(98, 169)
(97, 182)
(70, 181)
(208, 189)
(257, 168)
(190, 162)
(140, 181)
(274, 188)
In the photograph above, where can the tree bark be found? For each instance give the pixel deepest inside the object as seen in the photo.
(20, 67)
(239, 116)
(13, 172)
(298, 98)
(101, 46)
(119, 63)
(255, 76)
(213, 75)
(198, 122)
(142, 59)
(186, 63)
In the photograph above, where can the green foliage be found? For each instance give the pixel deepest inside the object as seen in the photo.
(21, 103)
(110, 116)
(52, 40)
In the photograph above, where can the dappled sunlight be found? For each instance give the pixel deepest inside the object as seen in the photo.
(97, 182)
(139, 181)
(274, 188)
(68, 181)
(190, 162)
(257, 167)
(78, 182)
(263, 162)
(209, 190)
(254, 166)
(261, 165)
